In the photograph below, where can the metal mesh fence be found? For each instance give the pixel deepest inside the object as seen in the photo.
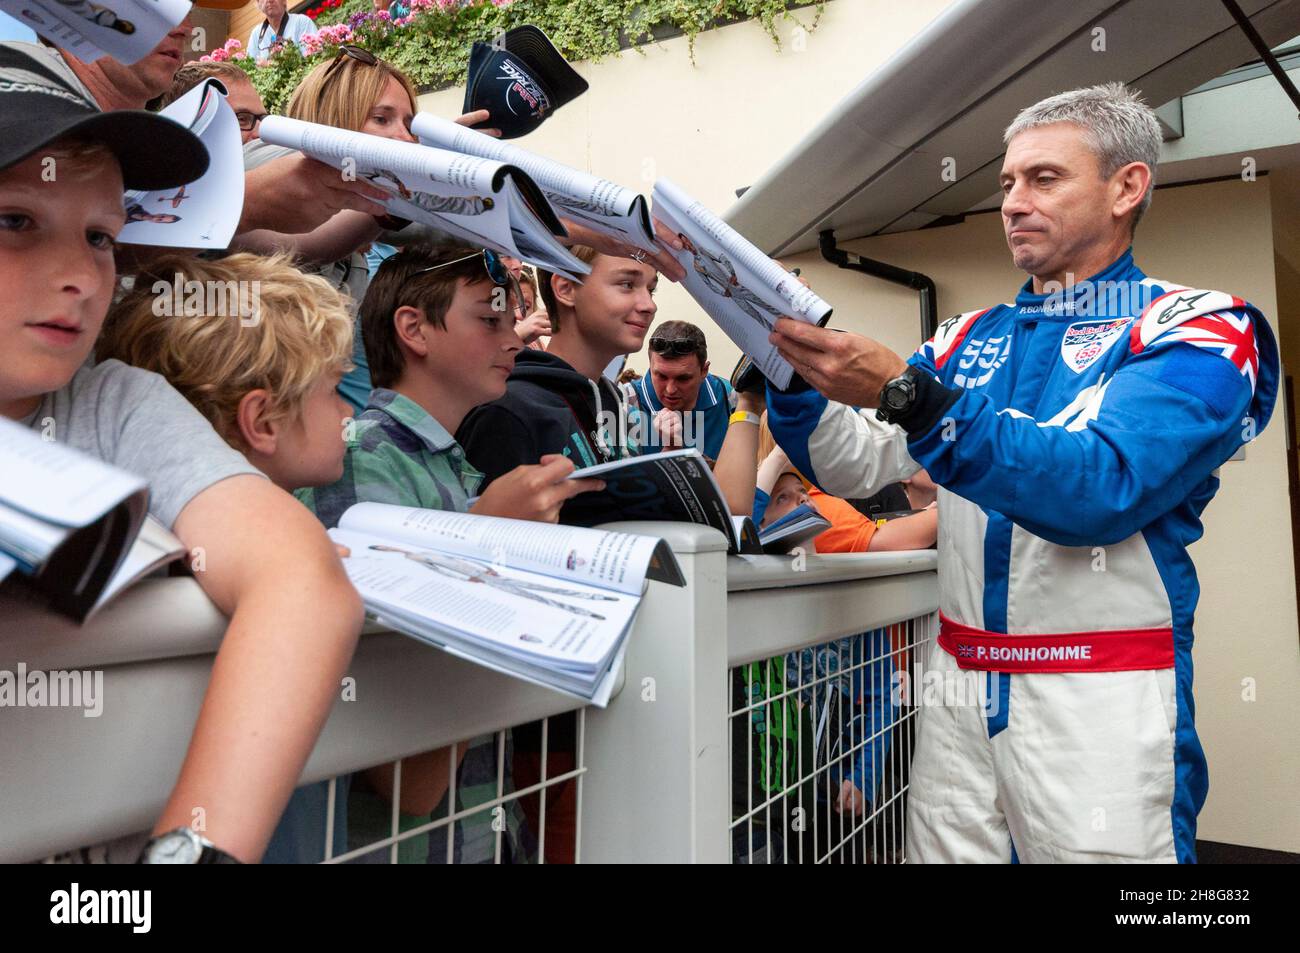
(821, 741)
(514, 796)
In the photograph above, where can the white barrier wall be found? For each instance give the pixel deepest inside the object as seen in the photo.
(655, 785)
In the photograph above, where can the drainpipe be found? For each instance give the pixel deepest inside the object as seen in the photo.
(918, 282)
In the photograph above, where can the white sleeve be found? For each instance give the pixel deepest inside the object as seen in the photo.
(856, 455)
(848, 453)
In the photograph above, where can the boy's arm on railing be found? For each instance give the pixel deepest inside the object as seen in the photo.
(294, 620)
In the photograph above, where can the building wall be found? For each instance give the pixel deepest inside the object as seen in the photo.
(715, 126)
(215, 25)
(1285, 189)
(243, 20)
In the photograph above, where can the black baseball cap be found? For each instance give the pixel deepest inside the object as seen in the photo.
(520, 80)
(38, 106)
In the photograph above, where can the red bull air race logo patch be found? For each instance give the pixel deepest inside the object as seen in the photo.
(1085, 341)
(523, 95)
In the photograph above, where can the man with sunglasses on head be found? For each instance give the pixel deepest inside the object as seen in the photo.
(686, 405)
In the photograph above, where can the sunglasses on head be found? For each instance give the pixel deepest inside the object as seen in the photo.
(348, 51)
(675, 348)
(496, 270)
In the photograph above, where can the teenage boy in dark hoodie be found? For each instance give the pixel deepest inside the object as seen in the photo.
(557, 400)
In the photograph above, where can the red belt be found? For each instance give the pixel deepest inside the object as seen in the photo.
(1115, 650)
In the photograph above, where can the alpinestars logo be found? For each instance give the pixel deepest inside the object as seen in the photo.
(1179, 305)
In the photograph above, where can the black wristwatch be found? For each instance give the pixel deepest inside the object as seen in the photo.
(898, 396)
(183, 846)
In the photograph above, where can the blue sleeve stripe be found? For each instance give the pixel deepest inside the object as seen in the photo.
(792, 419)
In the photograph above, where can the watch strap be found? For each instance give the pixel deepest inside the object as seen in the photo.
(931, 401)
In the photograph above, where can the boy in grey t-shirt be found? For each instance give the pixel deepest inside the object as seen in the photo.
(134, 420)
(294, 617)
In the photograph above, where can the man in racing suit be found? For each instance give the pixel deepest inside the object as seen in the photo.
(1075, 435)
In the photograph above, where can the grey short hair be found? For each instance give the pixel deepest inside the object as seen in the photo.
(1118, 126)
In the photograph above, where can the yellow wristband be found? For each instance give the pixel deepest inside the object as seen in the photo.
(744, 415)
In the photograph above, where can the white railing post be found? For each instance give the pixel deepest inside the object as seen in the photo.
(656, 788)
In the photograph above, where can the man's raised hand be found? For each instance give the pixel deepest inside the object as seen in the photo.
(662, 261)
(536, 325)
(845, 367)
(295, 194)
(668, 428)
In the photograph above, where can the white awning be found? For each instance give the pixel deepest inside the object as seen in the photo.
(921, 138)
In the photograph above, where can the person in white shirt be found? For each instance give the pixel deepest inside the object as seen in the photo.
(279, 24)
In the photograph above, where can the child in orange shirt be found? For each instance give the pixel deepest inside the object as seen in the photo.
(780, 489)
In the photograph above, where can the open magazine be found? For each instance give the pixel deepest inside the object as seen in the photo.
(126, 30)
(73, 526)
(801, 524)
(673, 485)
(203, 213)
(601, 205)
(486, 203)
(742, 289)
(550, 604)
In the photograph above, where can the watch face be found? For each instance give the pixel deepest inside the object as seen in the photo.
(897, 397)
(176, 847)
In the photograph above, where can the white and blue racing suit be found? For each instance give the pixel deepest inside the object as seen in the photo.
(1075, 438)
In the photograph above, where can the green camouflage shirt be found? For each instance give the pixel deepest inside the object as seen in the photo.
(398, 453)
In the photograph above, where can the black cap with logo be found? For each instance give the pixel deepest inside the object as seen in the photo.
(38, 106)
(520, 80)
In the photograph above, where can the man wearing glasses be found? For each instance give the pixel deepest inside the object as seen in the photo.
(688, 406)
(242, 96)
